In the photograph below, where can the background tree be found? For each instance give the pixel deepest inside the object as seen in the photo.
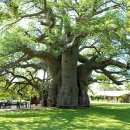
(108, 87)
(73, 38)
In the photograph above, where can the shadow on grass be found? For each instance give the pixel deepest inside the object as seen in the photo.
(118, 111)
(97, 117)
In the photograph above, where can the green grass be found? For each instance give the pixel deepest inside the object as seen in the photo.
(97, 117)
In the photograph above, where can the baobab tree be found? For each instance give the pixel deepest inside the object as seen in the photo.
(74, 38)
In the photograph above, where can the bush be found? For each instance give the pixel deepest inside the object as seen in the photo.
(123, 99)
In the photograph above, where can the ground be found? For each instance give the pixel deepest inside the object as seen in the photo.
(97, 117)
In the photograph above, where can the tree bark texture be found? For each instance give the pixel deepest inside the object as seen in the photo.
(68, 94)
(69, 85)
(83, 96)
(52, 95)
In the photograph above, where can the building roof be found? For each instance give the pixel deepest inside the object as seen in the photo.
(111, 93)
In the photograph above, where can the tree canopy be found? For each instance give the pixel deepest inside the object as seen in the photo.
(75, 42)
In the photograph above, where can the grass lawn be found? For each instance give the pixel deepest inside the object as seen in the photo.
(97, 117)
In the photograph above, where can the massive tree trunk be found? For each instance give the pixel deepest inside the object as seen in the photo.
(84, 77)
(52, 95)
(68, 94)
(69, 85)
(54, 69)
(83, 95)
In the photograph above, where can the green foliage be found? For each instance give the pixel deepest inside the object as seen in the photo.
(13, 8)
(12, 92)
(124, 99)
(127, 86)
(67, 23)
(72, 18)
(11, 41)
(108, 87)
(102, 78)
(9, 10)
(108, 28)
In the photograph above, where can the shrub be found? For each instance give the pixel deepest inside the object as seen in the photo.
(123, 99)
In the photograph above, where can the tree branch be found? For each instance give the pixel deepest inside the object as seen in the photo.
(20, 76)
(36, 86)
(103, 64)
(21, 88)
(40, 65)
(52, 62)
(111, 72)
(45, 4)
(33, 79)
(9, 83)
(7, 26)
(72, 43)
(111, 77)
(12, 64)
(106, 9)
(90, 47)
(118, 64)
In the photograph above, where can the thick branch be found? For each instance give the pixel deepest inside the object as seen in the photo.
(111, 72)
(111, 77)
(37, 66)
(72, 43)
(103, 64)
(39, 54)
(51, 61)
(118, 64)
(82, 59)
(33, 78)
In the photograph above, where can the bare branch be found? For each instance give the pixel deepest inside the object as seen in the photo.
(20, 89)
(90, 47)
(111, 77)
(20, 76)
(118, 64)
(106, 9)
(115, 6)
(32, 15)
(72, 43)
(104, 64)
(40, 65)
(8, 83)
(7, 26)
(44, 23)
(21, 83)
(45, 4)
(111, 72)
(107, 2)
(33, 79)
(12, 64)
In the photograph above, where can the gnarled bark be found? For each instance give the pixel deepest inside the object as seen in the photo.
(83, 96)
(52, 95)
(84, 76)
